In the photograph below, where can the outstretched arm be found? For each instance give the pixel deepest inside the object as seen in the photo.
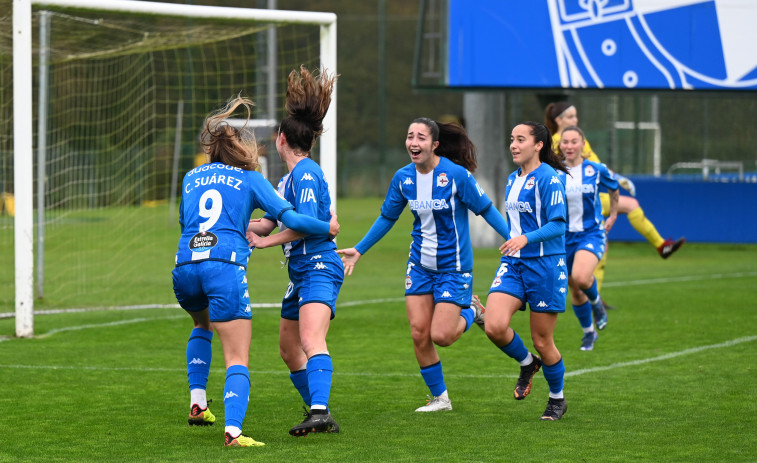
(377, 231)
(551, 229)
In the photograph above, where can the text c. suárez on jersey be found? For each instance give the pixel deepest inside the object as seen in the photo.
(439, 202)
(217, 201)
(531, 201)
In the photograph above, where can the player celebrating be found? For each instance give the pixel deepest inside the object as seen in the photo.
(210, 278)
(586, 235)
(315, 270)
(532, 269)
(439, 188)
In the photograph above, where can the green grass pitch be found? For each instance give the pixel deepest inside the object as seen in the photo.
(672, 378)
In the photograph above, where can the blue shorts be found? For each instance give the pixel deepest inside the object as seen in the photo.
(592, 241)
(218, 286)
(540, 281)
(315, 278)
(453, 287)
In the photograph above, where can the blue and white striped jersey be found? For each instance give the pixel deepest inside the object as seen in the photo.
(216, 203)
(306, 188)
(532, 201)
(582, 193)
(439, 202)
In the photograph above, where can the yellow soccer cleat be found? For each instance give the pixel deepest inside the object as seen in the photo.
(200, 416)
(241, 441)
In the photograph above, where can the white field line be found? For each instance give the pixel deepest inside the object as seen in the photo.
(277, 305)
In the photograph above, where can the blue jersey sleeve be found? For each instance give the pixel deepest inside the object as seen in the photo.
(554, 197)
(307, 189)
(472, 195)
(497, 222)
(607, 178)
(266, 198)
(395, 201)
(380, 227)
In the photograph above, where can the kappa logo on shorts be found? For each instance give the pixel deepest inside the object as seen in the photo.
(446, 294)
(466, 275)
(563, 290)
(562, 276)
(541, 304)
(248, 308)
(561, 262)
(320, 266)
(466, 286)
(317, 256)
(590, 246)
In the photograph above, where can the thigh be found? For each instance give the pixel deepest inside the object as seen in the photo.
(584, 264)
(420, 312)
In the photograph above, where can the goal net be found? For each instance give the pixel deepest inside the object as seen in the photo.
(117, 95)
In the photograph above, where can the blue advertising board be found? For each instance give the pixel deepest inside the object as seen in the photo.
(616, 44)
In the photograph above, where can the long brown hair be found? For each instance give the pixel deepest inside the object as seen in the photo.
(553, 110)
(307, 100)
(546, 154)
(454, 143)
(226, 144)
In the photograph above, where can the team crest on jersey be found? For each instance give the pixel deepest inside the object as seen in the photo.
(408, 282)
(203, 241)
(589, 171)
(530, 183)
(442, 180)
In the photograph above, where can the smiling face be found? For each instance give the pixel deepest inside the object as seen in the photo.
(419, 144)
(523, 146)
(571, 145)
(567, 118)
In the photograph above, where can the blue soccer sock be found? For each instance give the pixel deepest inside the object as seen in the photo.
(199, 355)
(468, 314)
(300, 380)
(583, 313)
(236, 395)
(434, 378)
(319, 371)
(592, 292)
(516, 349)
(555, 375)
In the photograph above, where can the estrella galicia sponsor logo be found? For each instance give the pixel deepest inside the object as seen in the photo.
(203, 241)
(425, 204)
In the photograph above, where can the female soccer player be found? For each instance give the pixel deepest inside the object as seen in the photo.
(210, 278)
(532, 269)
(563, 114)
(315, 270)
(439, 188)
(586, 235)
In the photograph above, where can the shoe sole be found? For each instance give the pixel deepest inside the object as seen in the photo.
(530, 382)
(552, 418)
(601, 326)
(303, 432)
(199, 422)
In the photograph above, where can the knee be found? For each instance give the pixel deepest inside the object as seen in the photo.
(543, 344)
(496, 332)
(443, 338)
(584, 281)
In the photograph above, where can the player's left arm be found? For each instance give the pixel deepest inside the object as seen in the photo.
(610, 180)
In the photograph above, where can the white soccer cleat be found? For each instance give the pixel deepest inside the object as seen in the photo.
(436, 404)
(480, 311)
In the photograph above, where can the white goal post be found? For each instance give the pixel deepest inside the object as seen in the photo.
(24, 116)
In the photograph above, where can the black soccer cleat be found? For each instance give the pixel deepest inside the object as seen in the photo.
(667, 248)
(523, 386)
(315, 421)
(556, 408)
